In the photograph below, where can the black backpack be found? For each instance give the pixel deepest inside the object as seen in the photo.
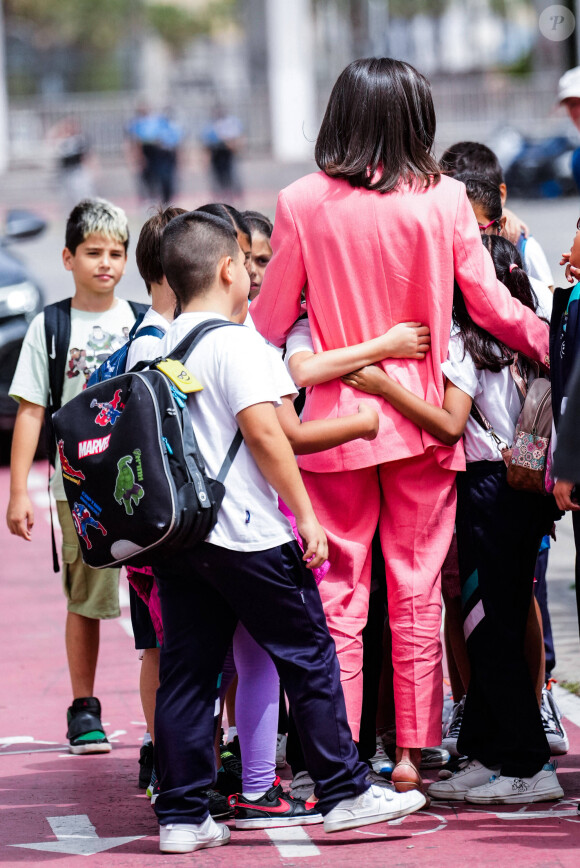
(57, 335)
(133, 474)
(564, 345)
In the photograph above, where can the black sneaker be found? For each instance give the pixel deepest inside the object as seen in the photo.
(453, 728)
(85, 730)
(155, 791)
(218, 805)
(153, 785)
(229, 777)
(552, 723)
(145, 765)
(275, 808)
(234, 747)
(434, 757)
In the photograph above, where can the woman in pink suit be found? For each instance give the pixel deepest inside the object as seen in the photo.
(377, 237)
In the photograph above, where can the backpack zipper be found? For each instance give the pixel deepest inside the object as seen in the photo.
(180, 397)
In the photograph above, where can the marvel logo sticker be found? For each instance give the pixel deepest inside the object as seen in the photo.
(94, 446)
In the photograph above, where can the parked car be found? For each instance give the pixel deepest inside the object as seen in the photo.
(543, 169)
(21, 298)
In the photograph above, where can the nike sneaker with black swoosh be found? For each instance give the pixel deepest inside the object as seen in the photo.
(275, 808)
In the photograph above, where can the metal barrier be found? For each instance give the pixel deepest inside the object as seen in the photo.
(103, 120)
(467, 107)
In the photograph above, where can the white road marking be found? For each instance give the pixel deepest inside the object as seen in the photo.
(566, 809)
(442, 823)
(571, 814)
(116, 734)
(77, 837)
(127, 626)
(37, 479)
(40, 750)
(292, 842)
(124, 599)
(22, 739)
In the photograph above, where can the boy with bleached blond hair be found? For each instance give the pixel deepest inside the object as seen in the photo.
(91, 325)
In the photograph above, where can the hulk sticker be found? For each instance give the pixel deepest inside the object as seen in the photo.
(127, 490)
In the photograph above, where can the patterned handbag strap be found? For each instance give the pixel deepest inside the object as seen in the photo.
(520, 378)
(484, 423)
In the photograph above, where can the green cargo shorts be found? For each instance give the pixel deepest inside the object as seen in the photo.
(89, 592)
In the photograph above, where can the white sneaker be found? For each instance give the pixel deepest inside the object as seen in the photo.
(186, 837)
(281, 741)
(451, 731)
(376, 805)
(380, 762)
(542, 787)
(552, 721)
(455, 788)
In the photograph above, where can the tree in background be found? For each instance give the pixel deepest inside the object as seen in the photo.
(83, 45)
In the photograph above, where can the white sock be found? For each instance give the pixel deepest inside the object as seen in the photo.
(253, 797)
(147, 738)
(232, 732)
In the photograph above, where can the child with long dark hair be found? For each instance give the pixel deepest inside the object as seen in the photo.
(499, 531)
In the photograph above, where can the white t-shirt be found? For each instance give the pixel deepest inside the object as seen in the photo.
(545, 298)
(495, 395)
(299, 340)
(147, 346)
(93, 337)
(237, 370)
(250, 323)
(534, 259)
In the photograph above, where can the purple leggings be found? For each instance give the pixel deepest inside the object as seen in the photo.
(257, 702)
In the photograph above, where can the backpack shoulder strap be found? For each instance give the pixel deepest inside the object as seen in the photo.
(231, 454)
(150, 331)
(135, 327)
(57, 333)
(181, 351)
(138, 307)
(192, 338)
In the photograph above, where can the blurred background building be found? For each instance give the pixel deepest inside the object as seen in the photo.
(269, 63)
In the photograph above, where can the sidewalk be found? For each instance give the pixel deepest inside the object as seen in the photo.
(56, 807)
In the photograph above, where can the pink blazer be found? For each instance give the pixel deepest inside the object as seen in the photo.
(369, 261)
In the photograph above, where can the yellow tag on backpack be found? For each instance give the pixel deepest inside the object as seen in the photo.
(179, 375)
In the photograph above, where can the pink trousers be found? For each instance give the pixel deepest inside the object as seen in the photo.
(413, 503)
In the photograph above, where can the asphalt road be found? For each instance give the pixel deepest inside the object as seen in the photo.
(59, 809)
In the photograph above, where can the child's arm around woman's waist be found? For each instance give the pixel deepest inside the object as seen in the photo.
(447, 423)
(409, 340)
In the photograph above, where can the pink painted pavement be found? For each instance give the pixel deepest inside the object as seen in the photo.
(40, 780)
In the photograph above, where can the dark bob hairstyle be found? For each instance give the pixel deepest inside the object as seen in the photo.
(379, 127)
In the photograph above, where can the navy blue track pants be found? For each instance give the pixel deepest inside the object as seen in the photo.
(499, 531)
(203, 594)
